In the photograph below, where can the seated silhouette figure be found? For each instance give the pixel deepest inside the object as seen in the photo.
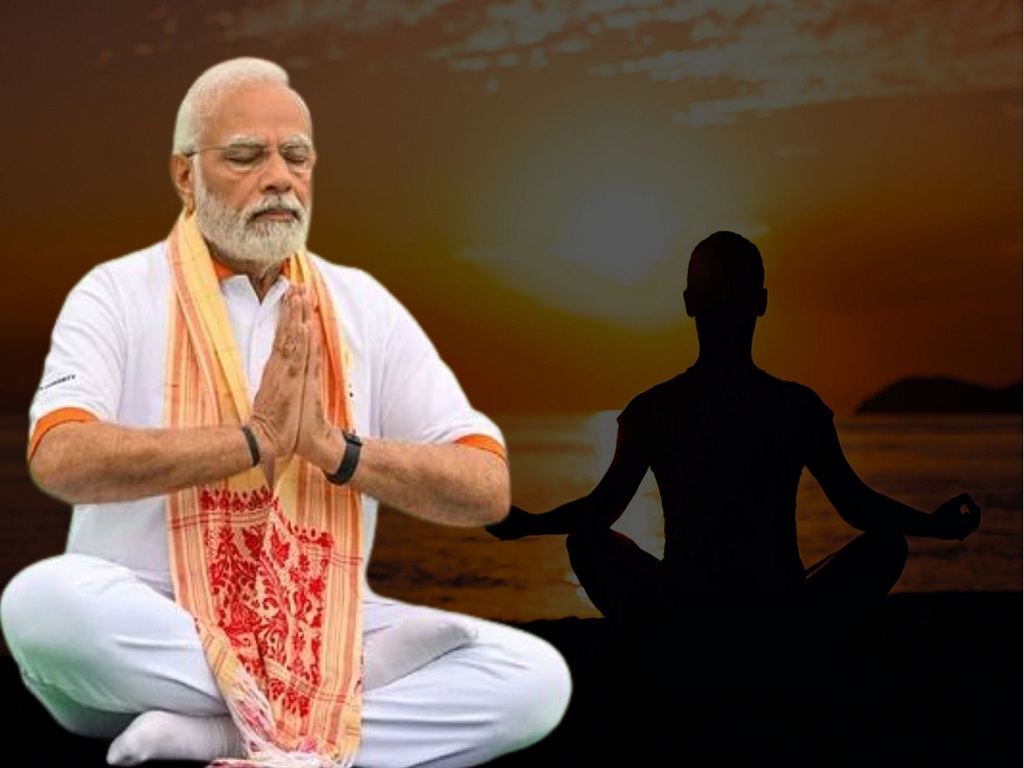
(727, 443)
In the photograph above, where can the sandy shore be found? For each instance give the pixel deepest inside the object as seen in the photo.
(932, 679)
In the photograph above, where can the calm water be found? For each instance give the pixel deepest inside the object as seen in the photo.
(919, 460)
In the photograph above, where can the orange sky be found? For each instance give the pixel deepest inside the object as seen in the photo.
(529, 178)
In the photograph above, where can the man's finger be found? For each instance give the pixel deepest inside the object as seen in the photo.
(285, 321)
(315, 350)
(970, 514)
(290, 318)
(965, 500)
(292, 340)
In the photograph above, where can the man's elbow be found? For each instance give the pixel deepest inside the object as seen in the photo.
(45, 472)
(498, 505)
(498, 496)
(52, 464)
(497, 510)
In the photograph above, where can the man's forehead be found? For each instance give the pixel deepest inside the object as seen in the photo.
(261, 112)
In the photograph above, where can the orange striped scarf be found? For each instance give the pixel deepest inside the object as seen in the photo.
(271, 575)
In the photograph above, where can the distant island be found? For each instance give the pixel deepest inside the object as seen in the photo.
(942, 395)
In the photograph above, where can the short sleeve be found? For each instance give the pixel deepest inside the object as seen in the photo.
(420, 397)
(84, 367)
(635, 427)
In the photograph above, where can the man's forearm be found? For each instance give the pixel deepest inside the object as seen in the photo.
(564, 519)
(873, 510)
(449, 484)
(89, 462)
(949, 521)
(903, 518)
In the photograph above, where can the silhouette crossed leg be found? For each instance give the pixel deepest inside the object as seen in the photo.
(843, 589)
(866, 568)
(728, 650)
(619, 577)
(622, 580)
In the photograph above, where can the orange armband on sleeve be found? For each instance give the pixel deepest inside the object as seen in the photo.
(51, 420)
(484, 443)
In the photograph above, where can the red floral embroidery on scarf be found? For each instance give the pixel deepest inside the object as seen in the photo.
(268, 583)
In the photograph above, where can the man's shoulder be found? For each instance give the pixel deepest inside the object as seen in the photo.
(653, 396)
(788, 385)
(361, 297)
(795, 393)
(690, 382)
(133, 275)
(353, 280)
(668, 387)
(338, 271)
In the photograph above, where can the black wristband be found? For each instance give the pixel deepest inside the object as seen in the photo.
(349, 460)
(254, 446)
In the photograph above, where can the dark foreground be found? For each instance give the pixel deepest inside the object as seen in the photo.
(931, 680)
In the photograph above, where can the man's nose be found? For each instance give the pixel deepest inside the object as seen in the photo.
(275, 175)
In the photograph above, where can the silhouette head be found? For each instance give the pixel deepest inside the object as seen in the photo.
(725, 279)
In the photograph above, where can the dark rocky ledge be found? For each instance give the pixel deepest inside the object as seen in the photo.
(942, 395)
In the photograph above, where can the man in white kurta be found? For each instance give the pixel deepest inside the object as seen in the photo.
(114, 656)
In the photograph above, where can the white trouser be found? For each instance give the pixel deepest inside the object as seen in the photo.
(97, 646)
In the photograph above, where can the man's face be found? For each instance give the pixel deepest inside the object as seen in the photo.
(253, 175)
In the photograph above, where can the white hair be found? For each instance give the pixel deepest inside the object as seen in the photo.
(210, 86)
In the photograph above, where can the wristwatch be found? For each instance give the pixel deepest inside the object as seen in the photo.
(349, 460)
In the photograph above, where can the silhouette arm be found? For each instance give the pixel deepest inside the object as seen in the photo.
(598, 509)
(868, 510)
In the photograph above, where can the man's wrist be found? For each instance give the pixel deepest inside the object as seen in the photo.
(349, 459)
(262, 440)
(253, 444)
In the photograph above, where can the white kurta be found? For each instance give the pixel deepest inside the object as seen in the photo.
(113, 643)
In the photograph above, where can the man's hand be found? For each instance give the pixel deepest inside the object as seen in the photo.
(515, 525)
(957, 518)
(277, 406)
(316, 436)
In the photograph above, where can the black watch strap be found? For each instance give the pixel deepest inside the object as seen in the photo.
(349, 460)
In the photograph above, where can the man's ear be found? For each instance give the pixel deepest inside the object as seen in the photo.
(762, 302)
(183, 179)
(689, 302)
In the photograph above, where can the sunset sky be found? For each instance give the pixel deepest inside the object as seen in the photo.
(530, 177)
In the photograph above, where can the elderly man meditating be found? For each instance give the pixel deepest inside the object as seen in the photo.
(225, 411)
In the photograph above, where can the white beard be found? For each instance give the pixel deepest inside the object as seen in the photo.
(260, 244)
